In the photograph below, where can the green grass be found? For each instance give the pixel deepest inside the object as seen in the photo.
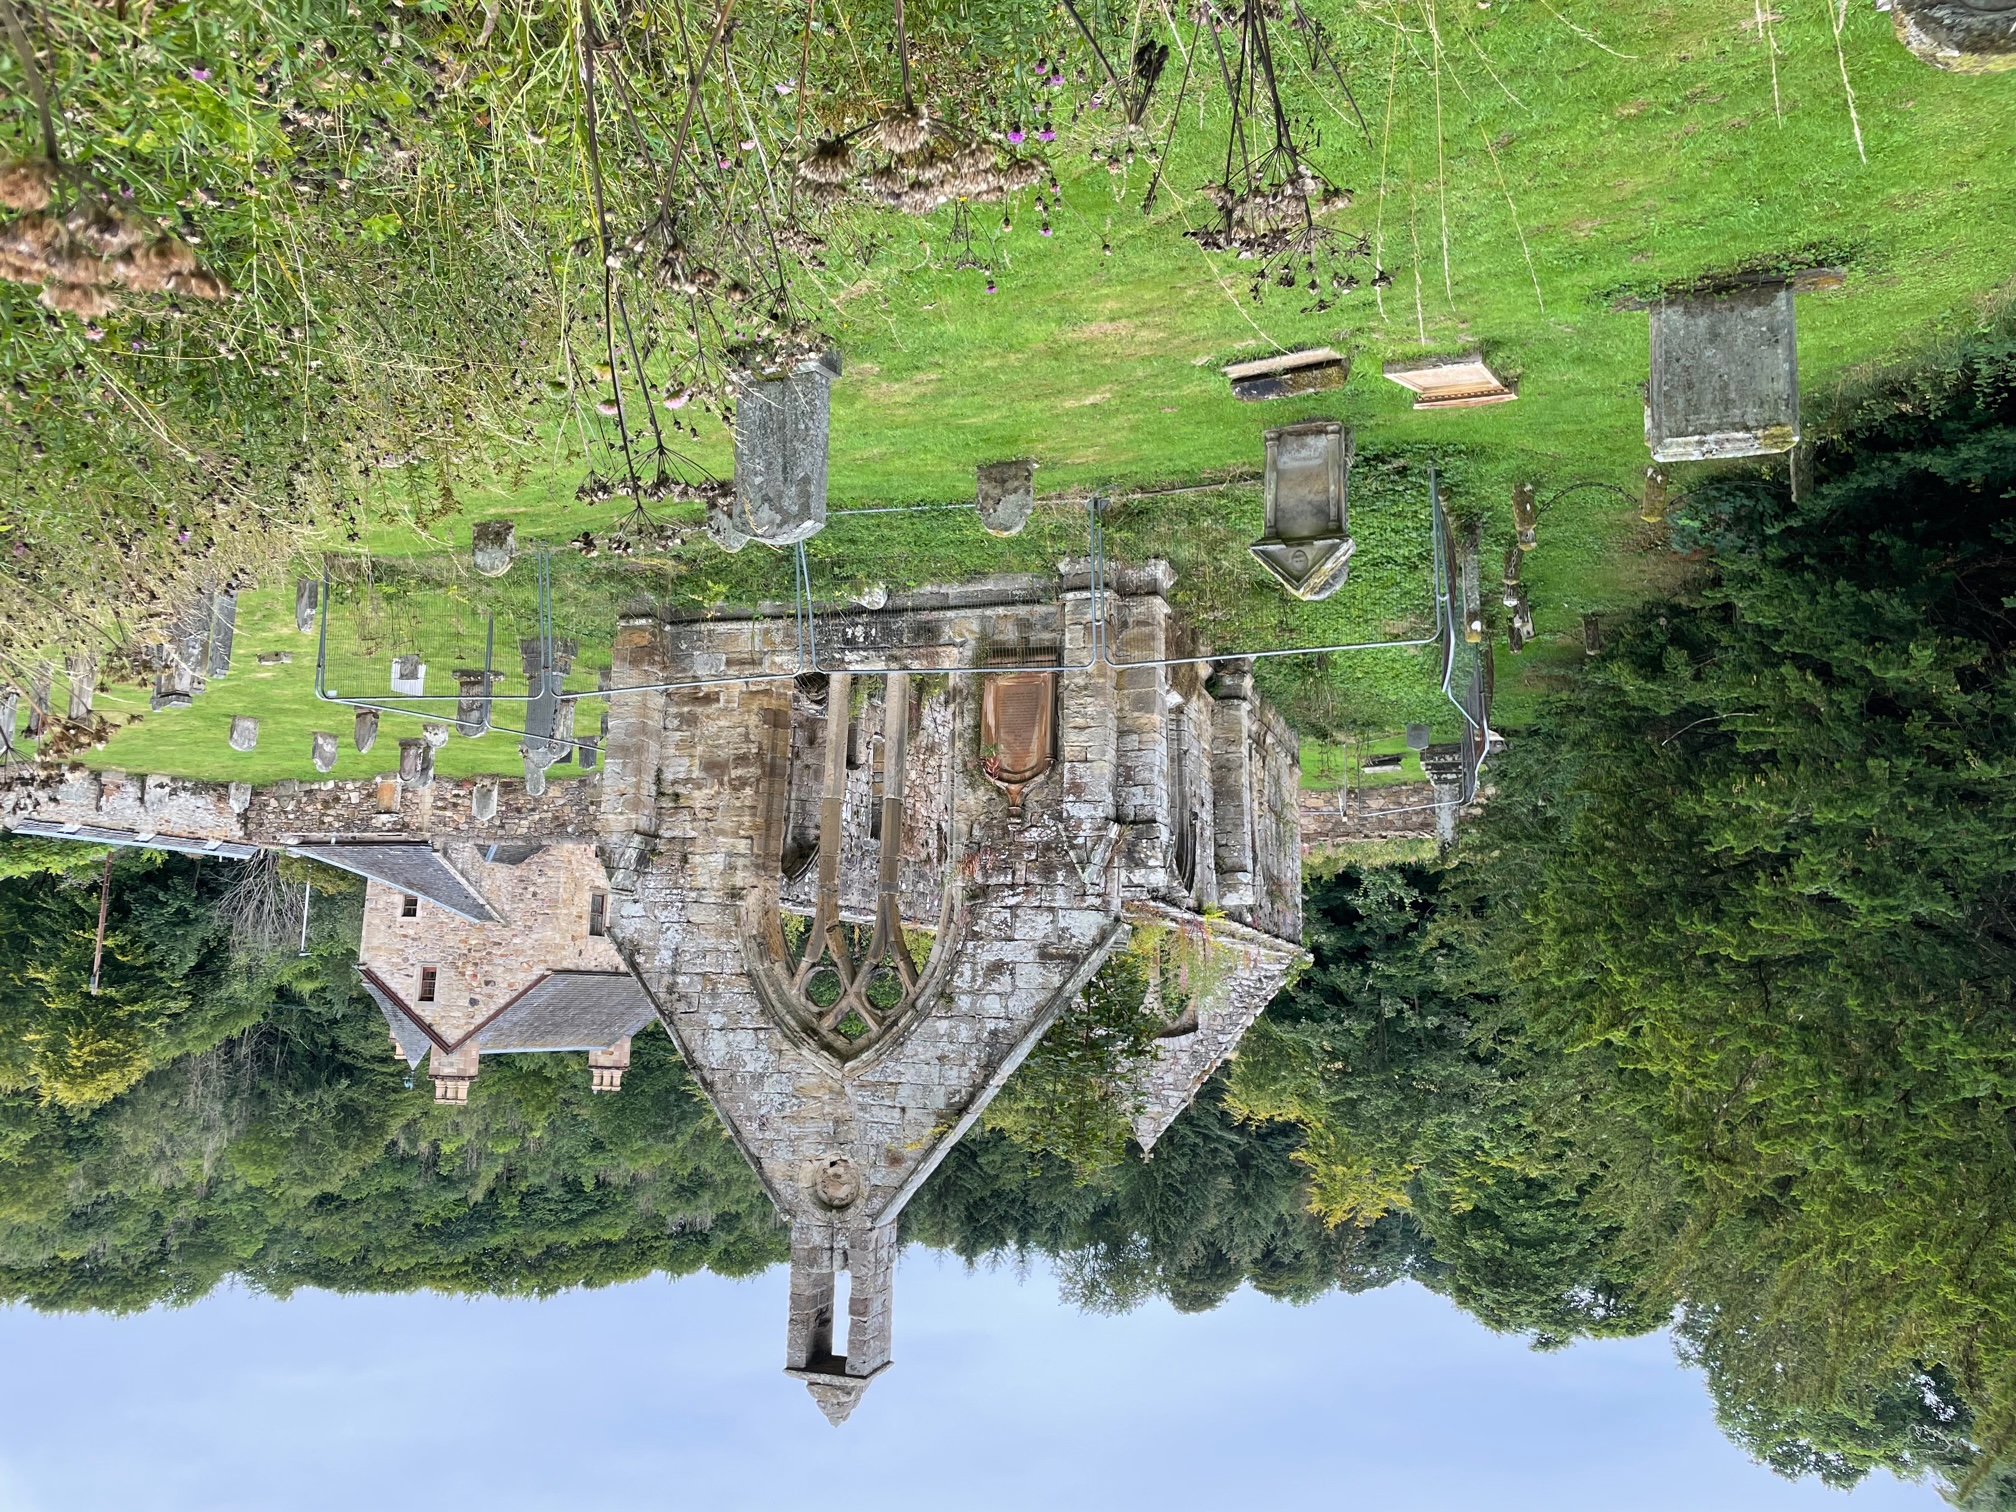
(1626, 174)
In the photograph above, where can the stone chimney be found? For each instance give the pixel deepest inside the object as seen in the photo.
(606, 1067)
(452, 1071)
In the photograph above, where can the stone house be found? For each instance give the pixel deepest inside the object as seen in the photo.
(859, 897)
(471, 950)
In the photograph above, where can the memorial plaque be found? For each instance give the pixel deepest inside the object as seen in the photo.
(1018, 731)
(1307, 544)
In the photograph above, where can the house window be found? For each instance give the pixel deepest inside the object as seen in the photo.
(426, 984)
(409, 907)
(598, 913)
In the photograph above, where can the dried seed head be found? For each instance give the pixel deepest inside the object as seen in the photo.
(87, 301)
(104, 231)
(25, 183)
(831, 162)
(905, 131)
(199, 285)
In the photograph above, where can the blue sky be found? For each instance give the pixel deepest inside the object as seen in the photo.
(669, 1395)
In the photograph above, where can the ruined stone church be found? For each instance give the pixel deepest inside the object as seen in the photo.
(859, 897)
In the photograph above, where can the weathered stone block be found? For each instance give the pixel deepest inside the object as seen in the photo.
(1725, 376)
(781, 431)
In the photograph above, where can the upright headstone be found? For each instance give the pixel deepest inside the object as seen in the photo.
(409, 676)
(412, 756)
(38, 699)
(1006, 495)
(1307, 542)
(472, 703)
(782, 425)
(493, 544)
(82, 670)
(10, 712)
(1654, 510)
(223, 631)
(244, 732)
(364, 733)
(173, 689)
(535, 771)
(322, 750)
(191, 643)
(1592, 634)
(307, 594)
(1725, 376)
(563, 732)
(587, 753)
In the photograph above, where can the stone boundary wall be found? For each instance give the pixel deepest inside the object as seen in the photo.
(289, 812)
(1401, 811)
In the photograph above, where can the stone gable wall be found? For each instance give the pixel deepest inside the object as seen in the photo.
(543, 904)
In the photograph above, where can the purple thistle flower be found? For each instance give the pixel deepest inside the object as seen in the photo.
(200, 75)
(990, 286)
(1015, 135)
(1046, 230)
(1046, 135)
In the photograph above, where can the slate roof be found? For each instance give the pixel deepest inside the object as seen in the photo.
(92, 834)
(407, 1032)
(413, 868)
(569, 1010)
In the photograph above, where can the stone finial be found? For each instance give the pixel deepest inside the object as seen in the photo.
(364, 733)
(244, 732)
(1006, 495)
(493, 544)
(307, 595)
(322, 750)
(435, 734)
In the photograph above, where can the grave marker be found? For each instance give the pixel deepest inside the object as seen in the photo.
(1006, 494)
(244, 732)
(782, 426)
(322, 751)
(1307, 541)
(1725, 375)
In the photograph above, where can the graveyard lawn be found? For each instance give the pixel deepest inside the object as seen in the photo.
(1526, 171)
